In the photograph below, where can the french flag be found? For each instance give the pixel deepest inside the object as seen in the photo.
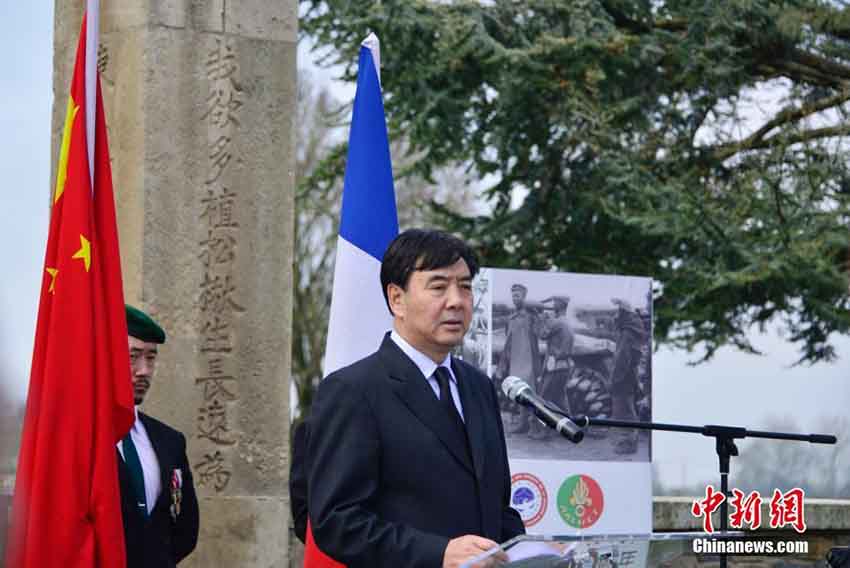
(359, 317)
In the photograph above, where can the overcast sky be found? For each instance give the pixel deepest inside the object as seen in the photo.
(734, 388)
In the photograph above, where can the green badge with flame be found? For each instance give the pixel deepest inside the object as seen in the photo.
(580, 501)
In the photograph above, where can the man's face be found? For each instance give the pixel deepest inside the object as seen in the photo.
(518, 296)
(435, 310)
(142, 363)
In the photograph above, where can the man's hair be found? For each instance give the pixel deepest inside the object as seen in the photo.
(422, 249)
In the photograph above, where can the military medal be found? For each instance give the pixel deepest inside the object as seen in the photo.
(176, 493)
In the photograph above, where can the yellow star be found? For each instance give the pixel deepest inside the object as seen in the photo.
(53, 272)
(62, 170)
(84, 253)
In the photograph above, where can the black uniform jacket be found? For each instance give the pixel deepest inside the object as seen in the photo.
(160, 541)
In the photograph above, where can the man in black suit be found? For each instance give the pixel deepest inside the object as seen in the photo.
(158, 501)
(407, 459)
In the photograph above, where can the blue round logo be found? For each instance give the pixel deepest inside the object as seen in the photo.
(528, 497)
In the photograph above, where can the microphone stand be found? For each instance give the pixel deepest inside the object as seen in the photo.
(724, 437)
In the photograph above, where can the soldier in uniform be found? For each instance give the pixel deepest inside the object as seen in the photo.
(559, 348)
(158, 502)
(521, 355)
(631, 333)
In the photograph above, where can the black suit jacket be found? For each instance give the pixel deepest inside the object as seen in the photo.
(159, 541)
(298, 481)
(390, 482)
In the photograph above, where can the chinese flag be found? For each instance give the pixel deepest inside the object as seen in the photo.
(314, 557)
(66, 507)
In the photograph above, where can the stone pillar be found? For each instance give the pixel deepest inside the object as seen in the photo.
(200, 106)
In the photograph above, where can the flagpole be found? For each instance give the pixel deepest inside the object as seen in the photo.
(374, 45)
(92, 39)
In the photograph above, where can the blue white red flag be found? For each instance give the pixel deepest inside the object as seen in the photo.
(359, 316)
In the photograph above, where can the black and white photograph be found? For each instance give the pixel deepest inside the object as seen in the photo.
(581, 342)
(476, 344)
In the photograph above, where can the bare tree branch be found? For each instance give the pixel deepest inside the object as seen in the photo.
(726, 151)
(826, 66)
(793, 114)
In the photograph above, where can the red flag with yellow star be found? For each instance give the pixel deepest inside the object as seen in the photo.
(66, 507)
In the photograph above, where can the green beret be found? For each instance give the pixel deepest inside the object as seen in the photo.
(141, 326)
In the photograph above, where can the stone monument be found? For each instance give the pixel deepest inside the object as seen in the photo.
(200, 106)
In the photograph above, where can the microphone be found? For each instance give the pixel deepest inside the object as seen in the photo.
(518, 391)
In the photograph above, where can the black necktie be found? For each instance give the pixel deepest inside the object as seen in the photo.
(443, 378)
(137, 476)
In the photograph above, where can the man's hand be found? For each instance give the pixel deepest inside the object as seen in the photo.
(462, 548)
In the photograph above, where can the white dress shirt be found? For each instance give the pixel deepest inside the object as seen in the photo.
(428, 367)
(150, 464)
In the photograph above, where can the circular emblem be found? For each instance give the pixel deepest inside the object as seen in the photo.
(528, 497)
(580, 501)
